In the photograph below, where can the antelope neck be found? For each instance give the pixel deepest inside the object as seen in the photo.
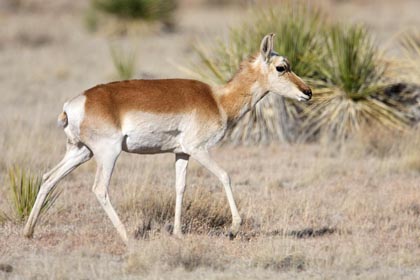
(241, 93)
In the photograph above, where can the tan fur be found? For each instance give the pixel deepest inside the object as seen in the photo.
(297, 81)
(237, 93)
(109, 102)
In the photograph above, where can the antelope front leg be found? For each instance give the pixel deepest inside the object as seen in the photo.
(204, 158)
(181, 163)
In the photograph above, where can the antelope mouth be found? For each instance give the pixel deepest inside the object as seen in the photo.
(304, 98)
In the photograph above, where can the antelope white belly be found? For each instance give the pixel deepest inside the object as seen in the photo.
(148, 133)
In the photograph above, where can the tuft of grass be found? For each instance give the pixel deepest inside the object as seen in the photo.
(24, 188)
(297, 27)
(138, 9)
(124, 62)
(91, 20)
(353, 89)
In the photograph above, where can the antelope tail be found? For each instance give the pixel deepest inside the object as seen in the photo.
(62, 120)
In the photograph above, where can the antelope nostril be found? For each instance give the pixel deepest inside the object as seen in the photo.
(308, 92)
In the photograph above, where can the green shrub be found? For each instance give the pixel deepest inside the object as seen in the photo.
(297, 27)
(138, 9)
(24, 188)
(352, 85)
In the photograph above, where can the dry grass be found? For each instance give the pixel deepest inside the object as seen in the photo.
(309, 209)
(169, 253)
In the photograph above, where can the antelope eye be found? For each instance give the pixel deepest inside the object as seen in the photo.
(280, 68)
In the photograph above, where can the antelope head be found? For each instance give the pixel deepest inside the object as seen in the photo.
(278, 74)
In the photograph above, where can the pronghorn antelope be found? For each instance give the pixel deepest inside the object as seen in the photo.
(184, 117)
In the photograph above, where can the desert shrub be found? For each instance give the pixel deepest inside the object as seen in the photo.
(124, 62)
(138, 9)
(352, 85)
(297, 27)
(24, 188)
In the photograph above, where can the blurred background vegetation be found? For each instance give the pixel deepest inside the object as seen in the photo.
(341, 62)
(124, 14)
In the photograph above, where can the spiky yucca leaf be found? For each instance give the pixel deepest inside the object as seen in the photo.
(297, 27)
(353, 85)
(24, 188)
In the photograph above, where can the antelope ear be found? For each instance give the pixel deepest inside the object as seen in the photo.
(267, 44)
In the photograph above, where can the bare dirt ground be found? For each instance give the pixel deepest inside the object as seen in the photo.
(310, 210)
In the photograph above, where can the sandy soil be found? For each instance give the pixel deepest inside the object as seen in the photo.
(363, 200)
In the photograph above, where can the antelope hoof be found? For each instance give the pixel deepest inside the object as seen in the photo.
(231, 235)
(233, 232)
(28, 233)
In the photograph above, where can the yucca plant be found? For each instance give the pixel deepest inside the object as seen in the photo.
(124, 62)
(24, 188)
(297, 27)
(352, 85)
